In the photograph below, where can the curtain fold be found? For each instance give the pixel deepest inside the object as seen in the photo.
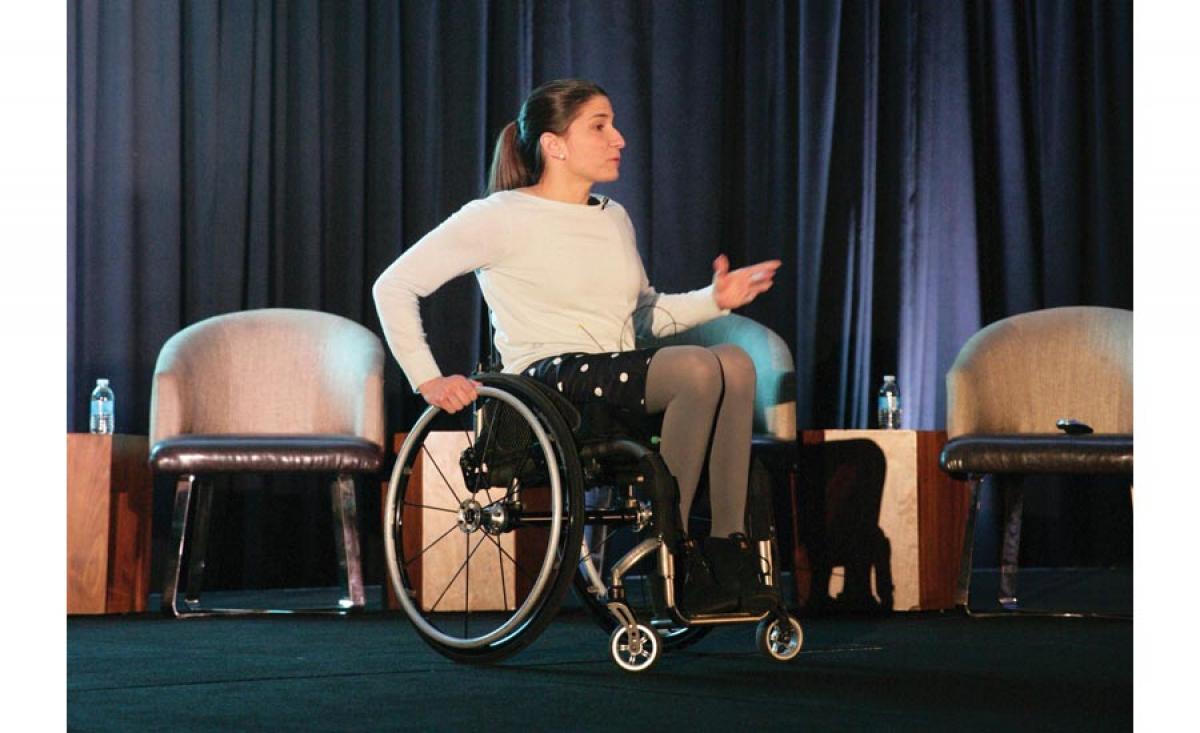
(820, 25)
(922, 168)
(939, 303)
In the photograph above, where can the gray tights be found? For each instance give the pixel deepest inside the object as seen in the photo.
(707, 397)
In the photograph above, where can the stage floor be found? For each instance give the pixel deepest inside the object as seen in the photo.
(924, 671)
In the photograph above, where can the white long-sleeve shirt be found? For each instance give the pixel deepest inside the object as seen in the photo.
(558, 278)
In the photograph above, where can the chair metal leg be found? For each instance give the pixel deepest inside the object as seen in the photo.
(345, 529)
(179, 522)
(1014, 504)
(198, 554)
(963, 595)
(345, 518)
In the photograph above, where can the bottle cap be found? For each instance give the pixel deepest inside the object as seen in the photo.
(889, 377)
(101, 382)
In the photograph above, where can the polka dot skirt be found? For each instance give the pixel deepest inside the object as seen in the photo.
(617, 378)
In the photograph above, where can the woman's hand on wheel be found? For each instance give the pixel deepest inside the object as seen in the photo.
(449, 393)
(736, 289)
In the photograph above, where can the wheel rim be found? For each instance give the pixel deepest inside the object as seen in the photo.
(479, 516)
(635, 658)
(783, 640)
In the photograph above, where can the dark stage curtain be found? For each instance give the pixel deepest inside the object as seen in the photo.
(922, 168)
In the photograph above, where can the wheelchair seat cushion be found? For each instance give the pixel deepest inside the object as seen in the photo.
(605, 422)
(615, 378)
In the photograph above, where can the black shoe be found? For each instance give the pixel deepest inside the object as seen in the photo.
(736, 565)
(700, 593)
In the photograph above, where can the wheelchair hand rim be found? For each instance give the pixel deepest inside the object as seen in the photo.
(534, 597)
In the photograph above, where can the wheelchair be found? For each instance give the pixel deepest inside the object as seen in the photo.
(543, 497)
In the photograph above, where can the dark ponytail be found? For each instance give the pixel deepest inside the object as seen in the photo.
(508, 170)
(517, 160)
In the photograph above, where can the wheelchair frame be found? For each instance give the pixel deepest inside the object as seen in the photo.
(535, 430)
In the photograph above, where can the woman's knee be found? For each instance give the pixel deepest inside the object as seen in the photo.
(737, 368)
(692, 370)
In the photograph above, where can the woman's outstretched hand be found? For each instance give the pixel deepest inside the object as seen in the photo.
(449, 393)
(736, 289)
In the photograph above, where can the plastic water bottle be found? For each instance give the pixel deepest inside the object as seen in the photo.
(889, 404)
(102, 409)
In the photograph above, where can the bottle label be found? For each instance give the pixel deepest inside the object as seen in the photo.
(101, 417)
(889, 411)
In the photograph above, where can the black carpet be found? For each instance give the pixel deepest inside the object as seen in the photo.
(371, 672)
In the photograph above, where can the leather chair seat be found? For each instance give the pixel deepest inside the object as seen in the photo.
(195, 454)
(980, 454)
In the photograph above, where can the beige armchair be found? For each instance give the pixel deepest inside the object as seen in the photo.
(265, 391)
(1007, 390)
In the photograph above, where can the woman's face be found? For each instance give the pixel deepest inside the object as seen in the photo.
(592, 144)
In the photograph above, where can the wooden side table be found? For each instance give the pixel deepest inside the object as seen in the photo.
(109, 511)
(878, 523)
(874, 521)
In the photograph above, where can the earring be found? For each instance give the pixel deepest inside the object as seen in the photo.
(561, 157)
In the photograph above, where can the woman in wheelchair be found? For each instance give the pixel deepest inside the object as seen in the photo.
(568, 295)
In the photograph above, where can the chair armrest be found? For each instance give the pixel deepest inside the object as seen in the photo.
(369, 420)
(168, 414)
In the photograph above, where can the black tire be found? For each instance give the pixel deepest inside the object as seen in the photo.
(523, 442)
(780, 639)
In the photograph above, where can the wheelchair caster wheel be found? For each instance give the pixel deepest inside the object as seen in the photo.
(780, 639)
(636, 655)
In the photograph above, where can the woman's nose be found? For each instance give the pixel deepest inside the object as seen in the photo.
(619, 141)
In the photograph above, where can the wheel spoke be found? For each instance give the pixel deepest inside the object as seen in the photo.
(439, 470)
(490, 430)
(432, 508)
(467, 594)
(511, 559)
(594, 553)
(503, 582)
(512, 492)
(469, 434)
(431, 544)
(456, 574)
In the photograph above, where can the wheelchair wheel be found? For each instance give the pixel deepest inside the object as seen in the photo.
(635, 655)
(779, 639)
(602, 547)
(483, 526)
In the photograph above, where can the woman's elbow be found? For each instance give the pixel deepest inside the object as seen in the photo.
(378, 288)
(385, 287)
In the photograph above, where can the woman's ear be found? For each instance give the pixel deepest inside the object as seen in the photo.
(552, 146)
